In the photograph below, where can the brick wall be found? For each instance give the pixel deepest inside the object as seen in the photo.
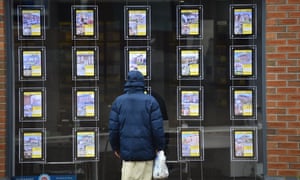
(283, 87)
(2, 92)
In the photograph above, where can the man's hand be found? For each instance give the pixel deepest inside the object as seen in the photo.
(117, 154)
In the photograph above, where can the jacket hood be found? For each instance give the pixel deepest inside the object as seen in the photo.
(135, 79)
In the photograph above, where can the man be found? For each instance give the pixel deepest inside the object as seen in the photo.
(136, 129)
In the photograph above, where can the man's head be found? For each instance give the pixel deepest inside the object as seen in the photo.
(135, 79)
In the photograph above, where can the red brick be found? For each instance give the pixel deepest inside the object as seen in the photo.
(277, 151)
(271, 117)
(271, 90)
(294, 138)
(273, 158)
(286, 90)
(293, 55)
(272, 145)
(277, 138)
(294, 124)
(294, 111)
(287, 117)
(276, 97)
(295, 152)
(270, 8)
(271, 104)
(272, 62)
(276, 69)
(276, 41)
(276, 15)
(286, 104)
(289, 145)
(287, 35)
(294, 41)
(288, 172)
(275, 2)
(271, 35)
(287, 76)
(275, 29)
(276, 56)
(272, 172)
(286, 49)
(294, 83)
(272, 131)
(294, 1)
(271, 21)
(287, 131)
(286, 8)
(277, 83)
(277, 124)
(293, 28)
(288, 62)
(295, 166)
(270, 50)
(293, 69)
(294, 14)
(276, 111)
(271, 76)
(278, 165)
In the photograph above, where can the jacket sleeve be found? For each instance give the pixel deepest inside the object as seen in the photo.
(114, 133)
(157, 126)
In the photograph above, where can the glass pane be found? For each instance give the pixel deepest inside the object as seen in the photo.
(69, 27)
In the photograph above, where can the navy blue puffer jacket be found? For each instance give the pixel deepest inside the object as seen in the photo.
(135, 122)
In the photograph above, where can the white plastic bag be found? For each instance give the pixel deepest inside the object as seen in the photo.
(160, 168)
